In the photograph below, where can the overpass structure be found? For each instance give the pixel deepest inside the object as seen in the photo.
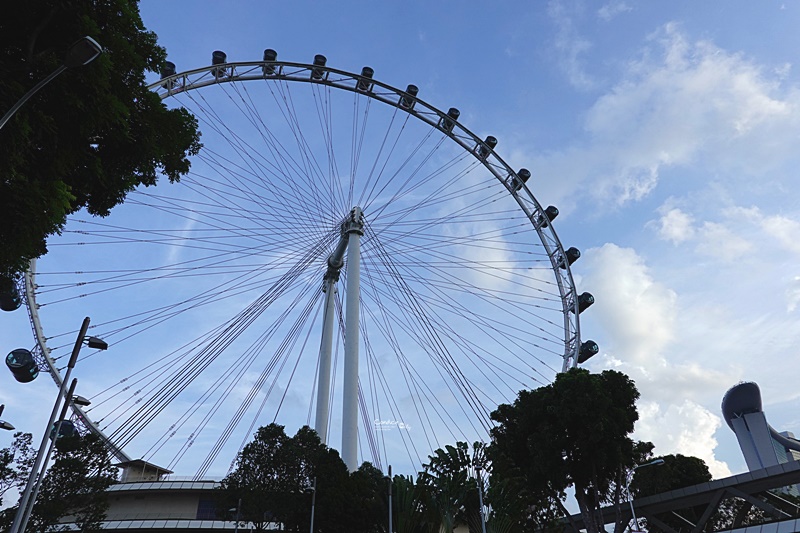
(689, 509)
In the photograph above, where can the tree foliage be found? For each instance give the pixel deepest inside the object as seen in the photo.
(678, 471)
(571, 433)
(74, 486)
(89, 137)
(16, 462)
(450, 481)
(276, 477)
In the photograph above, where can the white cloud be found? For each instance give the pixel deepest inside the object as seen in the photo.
(612, 9)
(681, 104)
(785, 230)
(570, 46)
(686, 428)
(644, 335)
(793, 294)
(722, 243)
(637, 312)
(676, 226)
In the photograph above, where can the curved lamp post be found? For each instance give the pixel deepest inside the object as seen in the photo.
(26, 500)
(655, 462)
(70, 398)
(82, 52)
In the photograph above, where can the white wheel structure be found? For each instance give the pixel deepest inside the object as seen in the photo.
(210, 291)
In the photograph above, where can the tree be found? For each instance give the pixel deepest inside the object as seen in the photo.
(365, 507)
(273, 480)
(74, 486)
(571, 433)
(260, 478)
(678, 471)
(450, 479)
(90, 136)
(16, 463)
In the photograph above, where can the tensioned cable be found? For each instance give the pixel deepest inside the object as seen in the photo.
(280, 182)
(151, 408)
(232, 375)
(429, 338)
(435, 342)
(283, 352)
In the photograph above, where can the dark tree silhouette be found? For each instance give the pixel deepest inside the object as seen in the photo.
(75, 485)
(571, 433)
(90, 136)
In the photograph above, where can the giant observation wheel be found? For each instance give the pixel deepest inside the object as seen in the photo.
(213, 292)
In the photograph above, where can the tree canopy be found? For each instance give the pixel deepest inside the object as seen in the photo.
(678, 471)
(571, 433)
(74, 485)
(89, 137)
(276, 477)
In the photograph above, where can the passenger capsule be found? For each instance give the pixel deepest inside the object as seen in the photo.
(67, 429)
(409, 98)
(22, 365)
(572, 255)
(270, 56)
(585, 300)
(317, 72)
(168, 70)
(549, 215)
(218, 57)
(449, 121)
(488, 145)
(587, 350)
(10, 299)
(365, 82)
(522, 177)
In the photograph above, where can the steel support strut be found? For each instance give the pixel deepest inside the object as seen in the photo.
(351, 232)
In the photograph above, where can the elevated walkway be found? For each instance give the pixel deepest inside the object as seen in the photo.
(760, 489)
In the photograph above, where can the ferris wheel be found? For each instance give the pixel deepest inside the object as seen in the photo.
(339, 246)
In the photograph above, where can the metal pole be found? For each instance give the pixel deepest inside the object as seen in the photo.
(326, 347)
(633, 513)
(30, 93)
(238, 511)
(55, 433)
(655, 462)
(313, 503)
(480, 499)
(17, 526)
(391, 530)
(351, 344)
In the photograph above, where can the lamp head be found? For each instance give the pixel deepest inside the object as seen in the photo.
(80, 401)
(5, 425)
(82, 52)
(99, 344)
(654, 462)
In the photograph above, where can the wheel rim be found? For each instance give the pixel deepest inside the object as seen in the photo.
(464, 298)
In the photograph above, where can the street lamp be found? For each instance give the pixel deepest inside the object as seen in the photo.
(480, 497)
(313, 490)
(238, 515)
(3, 423)
(70, 398)
(20, 519)
(655, 462)
(82, 52)
(389, 478)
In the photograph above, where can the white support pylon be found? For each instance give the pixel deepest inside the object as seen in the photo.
(326, 347)
(355, 229)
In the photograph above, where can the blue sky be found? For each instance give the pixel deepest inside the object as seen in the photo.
(666, 133)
